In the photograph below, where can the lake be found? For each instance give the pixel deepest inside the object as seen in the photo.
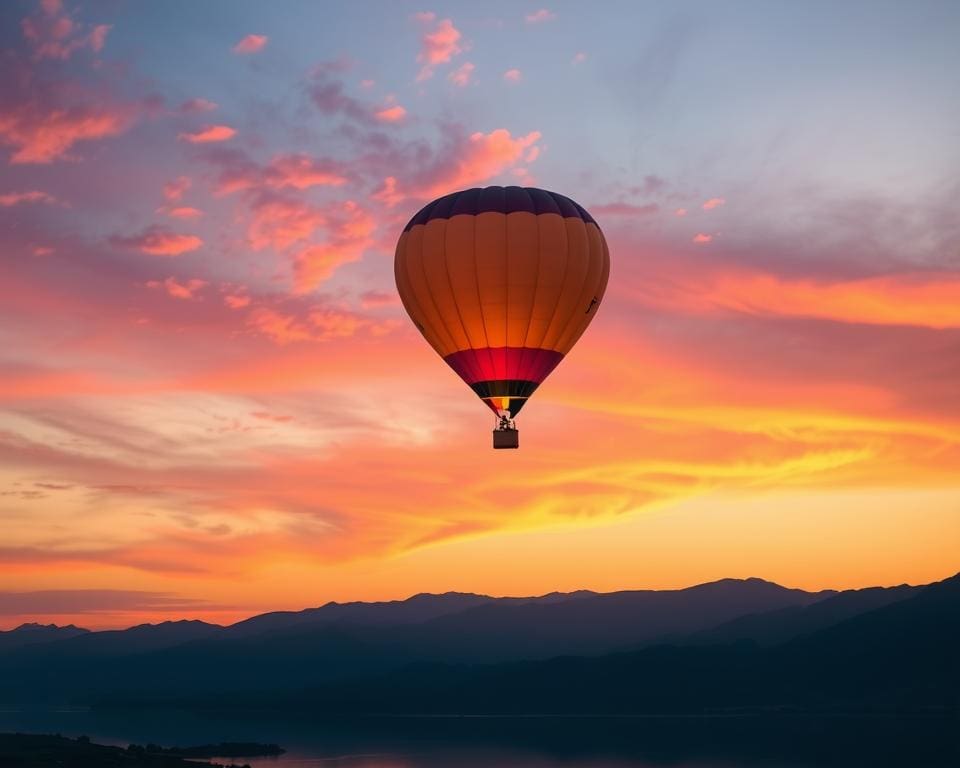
(784, 741)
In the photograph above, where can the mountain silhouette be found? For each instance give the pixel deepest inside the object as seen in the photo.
(139, 639)
(773, 627)
(726, 644)
(898, 657)
(418, 608)
(590, 623)
(31, 634)
(296, 649)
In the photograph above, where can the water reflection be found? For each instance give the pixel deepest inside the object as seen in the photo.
(747, 742)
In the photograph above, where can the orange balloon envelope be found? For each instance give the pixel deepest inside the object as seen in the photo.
(501, 282)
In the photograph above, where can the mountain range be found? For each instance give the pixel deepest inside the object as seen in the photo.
(718, 646)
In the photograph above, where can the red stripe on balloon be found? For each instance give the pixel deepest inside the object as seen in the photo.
(503, 363)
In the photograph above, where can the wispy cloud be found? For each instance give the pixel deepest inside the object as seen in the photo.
(179, 290)
(251, 44)
(53, 33)
(393, 114)
(54, 602)
(208, 134)
(462, 75)
(158, 241)
(9, 199)
(438, 44)
(540, 16)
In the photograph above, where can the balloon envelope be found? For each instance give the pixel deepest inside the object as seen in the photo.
(501, 282)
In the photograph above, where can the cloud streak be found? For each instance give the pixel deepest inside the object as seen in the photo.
(56, 602)
(10, 199)
(158, 241)
(923, 300)
(209, 134)
(251, 44)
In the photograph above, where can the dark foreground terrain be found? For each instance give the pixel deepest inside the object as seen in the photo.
(20, 750)
(780, 741)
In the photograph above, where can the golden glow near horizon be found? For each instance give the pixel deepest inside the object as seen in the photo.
(213, 405)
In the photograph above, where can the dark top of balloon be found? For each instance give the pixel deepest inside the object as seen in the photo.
(499, 200)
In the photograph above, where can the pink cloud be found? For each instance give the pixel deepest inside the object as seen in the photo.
(578, 58)
(279, 222)
(278, 327)
(387, 193)
(538, 17)
(240, 173)
(98, 37)
(42, 134)
(512, 75)
(392, 114)
(481, 157)
(53, 34)
(302, 171)
(349, 231)
(178, 290)
(333, 323)
(317, 263)
(251, 44)
(624, 209)
(922, 300)
(192, 106)
(713, 202)
(158, 241)
(437, 46)
(34, 196)
(377, 299)
(460, 77)
(367, 83)
(236, 300)
(462, 160)
(173, 190)
(702, 238)
(318, 323)
(209, 133)
(183, 212)
(680, 212)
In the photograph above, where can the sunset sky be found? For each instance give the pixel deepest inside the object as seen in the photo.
(212, 403)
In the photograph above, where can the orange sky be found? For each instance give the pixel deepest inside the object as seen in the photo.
(212, 404)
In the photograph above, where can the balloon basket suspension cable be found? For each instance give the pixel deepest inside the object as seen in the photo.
(505, 433)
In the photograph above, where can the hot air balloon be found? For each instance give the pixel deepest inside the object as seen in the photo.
(501, 282)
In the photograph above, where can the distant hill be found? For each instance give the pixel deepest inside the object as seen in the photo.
(425, 651)
(591, 623)
(32, 634)
(124, 642)
(778, 626)
(415, 609)
(296, 649)
(898, 658)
